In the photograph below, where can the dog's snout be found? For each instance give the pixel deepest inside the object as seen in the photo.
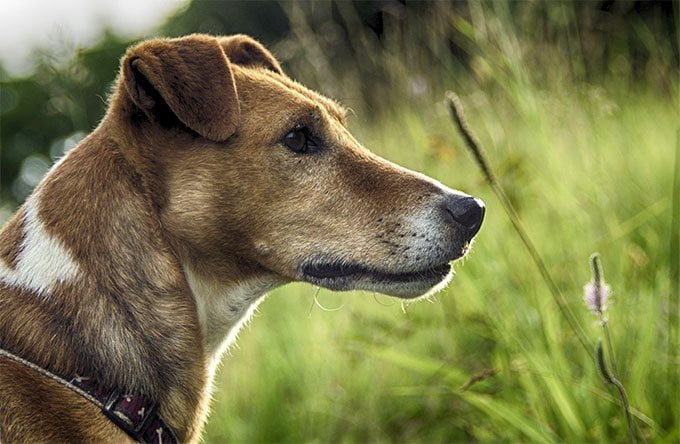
(466, 211)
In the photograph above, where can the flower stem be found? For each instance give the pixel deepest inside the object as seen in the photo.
(607, 336)
(611, 379)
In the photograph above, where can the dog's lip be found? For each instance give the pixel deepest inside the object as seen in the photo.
(336, 270)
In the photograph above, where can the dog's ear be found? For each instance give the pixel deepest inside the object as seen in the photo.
(246, 51)
(192, 76)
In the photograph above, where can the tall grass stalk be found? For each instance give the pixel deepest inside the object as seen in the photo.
(600, 305)
(596, 295)
(456, 109)
(611, 379)
(674, 291)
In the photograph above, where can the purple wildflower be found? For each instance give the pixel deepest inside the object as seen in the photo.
(596, 292)
(596, 297)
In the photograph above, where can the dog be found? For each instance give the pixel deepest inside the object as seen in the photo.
(212, 178)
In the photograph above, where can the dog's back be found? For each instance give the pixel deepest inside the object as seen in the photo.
(87, 287)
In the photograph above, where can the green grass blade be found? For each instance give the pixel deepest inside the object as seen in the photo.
(496, 409)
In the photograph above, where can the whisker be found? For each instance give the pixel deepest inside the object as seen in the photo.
(311, 307)
(318, 304)
(375, 297)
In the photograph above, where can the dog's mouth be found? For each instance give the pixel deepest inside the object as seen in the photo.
(335, 271)
(347, 276)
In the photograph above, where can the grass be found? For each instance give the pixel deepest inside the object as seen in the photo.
(585, 149)
(583, 179)
(588, 163)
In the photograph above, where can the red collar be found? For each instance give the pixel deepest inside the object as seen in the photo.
(135, 414)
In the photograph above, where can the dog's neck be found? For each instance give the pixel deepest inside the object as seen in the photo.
(86, 255)
(223, 308)
(226, 293)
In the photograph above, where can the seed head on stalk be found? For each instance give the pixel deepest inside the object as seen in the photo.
(596, 292)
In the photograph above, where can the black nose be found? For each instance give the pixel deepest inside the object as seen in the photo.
(466, 211)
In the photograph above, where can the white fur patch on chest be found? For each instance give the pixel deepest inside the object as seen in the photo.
(42, 262)
(224, 308)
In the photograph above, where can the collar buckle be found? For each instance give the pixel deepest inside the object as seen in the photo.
(134, 414)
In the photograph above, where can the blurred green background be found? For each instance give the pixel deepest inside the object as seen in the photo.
(577, 105)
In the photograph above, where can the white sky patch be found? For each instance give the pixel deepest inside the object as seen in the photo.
(62, 27)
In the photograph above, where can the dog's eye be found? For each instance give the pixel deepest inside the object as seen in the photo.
(299, 140)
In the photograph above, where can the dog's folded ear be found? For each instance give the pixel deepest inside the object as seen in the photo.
(192, 76)
(246, 51)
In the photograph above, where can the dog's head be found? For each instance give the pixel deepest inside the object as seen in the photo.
(254, 174)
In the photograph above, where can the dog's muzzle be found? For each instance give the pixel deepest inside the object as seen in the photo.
(418, 257)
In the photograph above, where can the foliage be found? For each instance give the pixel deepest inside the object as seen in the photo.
(577, 104)
(598, 180)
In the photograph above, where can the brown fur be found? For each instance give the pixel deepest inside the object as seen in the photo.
(13, 233)
(187, 173)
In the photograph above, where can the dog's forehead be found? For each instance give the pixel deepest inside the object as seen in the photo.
(261, 84)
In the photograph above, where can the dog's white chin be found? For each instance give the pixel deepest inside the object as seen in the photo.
(412, 290)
